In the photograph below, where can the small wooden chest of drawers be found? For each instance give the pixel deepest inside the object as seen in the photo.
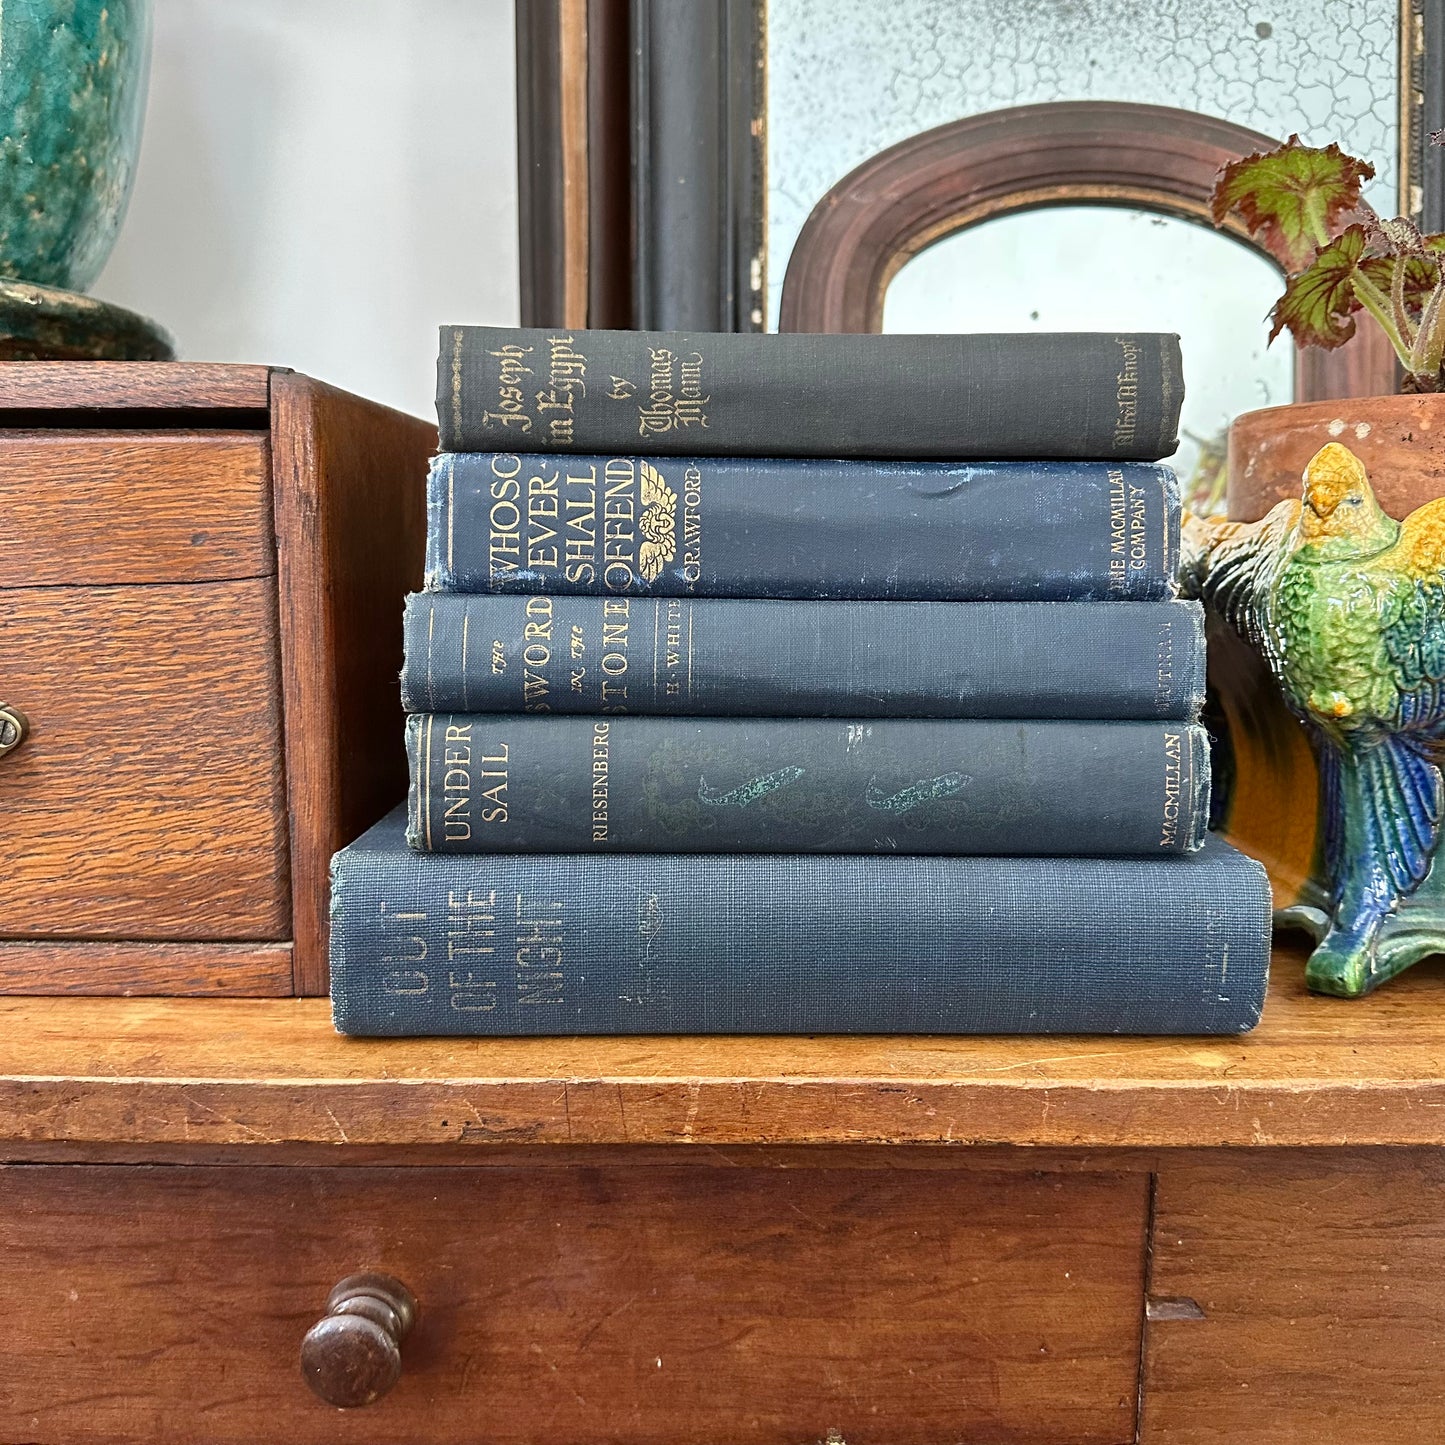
(201, 574)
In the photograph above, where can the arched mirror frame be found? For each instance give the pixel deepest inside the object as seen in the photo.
(905, 198)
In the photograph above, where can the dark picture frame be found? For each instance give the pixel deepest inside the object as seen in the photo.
(640, 148)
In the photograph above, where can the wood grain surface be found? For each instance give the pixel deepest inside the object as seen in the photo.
(254, 1072)
(98, 507)
(658, 1306)
(133, 385)
(147, 802)
(350, 489)
(179, 970)
(1319, 1285)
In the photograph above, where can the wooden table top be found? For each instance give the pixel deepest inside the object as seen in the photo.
(1317, 1072)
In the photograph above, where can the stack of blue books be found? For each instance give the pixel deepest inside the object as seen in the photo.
(782, 684)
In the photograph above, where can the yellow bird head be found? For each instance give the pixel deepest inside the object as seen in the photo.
(1340, 505)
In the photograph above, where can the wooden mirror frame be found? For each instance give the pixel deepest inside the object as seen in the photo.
(905, 198)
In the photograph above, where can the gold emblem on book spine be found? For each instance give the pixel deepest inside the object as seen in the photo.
(659, 523)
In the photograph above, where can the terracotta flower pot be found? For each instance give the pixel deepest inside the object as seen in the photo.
(1400, 439)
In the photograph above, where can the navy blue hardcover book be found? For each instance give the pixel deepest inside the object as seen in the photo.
(632, 526)
(1018, 394)
(738, 657)
(518, 784)
(762, 943)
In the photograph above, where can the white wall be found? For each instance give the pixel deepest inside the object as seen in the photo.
(323, 183)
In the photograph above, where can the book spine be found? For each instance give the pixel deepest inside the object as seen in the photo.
(1102, 395)
(489, 784)
(623, 944)
(769, 528)
(746, 658)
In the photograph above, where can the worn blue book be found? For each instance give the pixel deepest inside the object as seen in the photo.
(741, 393)
(761, 943)
(632, 526)
(738, 657)
(506, 783)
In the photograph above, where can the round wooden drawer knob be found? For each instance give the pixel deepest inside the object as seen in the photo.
(353, 1355)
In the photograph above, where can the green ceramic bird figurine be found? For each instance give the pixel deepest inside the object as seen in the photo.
(1347, 606)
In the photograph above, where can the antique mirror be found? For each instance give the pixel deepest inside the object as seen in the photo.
(963, 164)
(1042, 174)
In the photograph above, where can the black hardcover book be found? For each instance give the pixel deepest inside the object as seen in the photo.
(735, 657)
(488, 784)
(790, 943)
(1108, 395)
(791, 527)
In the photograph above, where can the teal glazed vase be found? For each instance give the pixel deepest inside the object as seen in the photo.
(73, 78)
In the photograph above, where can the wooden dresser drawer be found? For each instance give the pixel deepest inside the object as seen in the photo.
(97, 507)
(664, 1304)
(201, 579)
(148, 801)
(1318, 1315)
(138, 634)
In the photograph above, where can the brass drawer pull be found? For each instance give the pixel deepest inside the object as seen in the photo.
(14, 728)
(353, 1355)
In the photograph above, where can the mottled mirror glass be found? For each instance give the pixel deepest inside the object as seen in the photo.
(848, 78)
(1090, 268)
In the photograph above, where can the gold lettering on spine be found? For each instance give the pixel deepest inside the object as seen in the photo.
(504, 517)
(1164, 678)
(1169, 832)
(544, 502)
(538, 960)
(675, 398)
(492, 804)
(536, 654)
(692, 526)
(672, 651)
(577, 646)
(456, 783)
(1138, 530)
(619, 516)
(404, 948)
(511, 413)
(580, 534)
(466, 618)
(616, 637)
(601, 764)
(1126, 383)
(456, 383)
(566, 383)
(1118, 532)
(471, 933)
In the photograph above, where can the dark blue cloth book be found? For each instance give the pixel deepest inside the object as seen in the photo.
(752, 393)
(489, 783)
(737, 657)
(757, 943)
(634, 526)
